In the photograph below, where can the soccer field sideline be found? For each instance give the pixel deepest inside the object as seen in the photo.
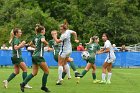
(123, 81)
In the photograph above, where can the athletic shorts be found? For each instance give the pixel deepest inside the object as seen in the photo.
(91, 59)
(55, 57)
(110, 60)
(65, 54)
(37, 60)
(16, 61)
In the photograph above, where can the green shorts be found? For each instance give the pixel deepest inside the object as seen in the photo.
(16, 61)
(91, 59)
(37, 60)
(55, 58)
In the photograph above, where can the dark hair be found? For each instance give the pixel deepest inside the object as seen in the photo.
(15, 30)
(106, 35)
(95, 38)
(39, 28)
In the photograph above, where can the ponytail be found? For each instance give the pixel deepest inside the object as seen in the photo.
(11, 36)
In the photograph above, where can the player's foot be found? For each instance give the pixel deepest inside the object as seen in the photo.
(80, 75)
(45, 89)
(27, 86)
(76, 74)
(77, 80)
(102, 82)
(108, 82)
(5, 82)
(96, 81)
(59, 82)
(22, 85)
(69, 78)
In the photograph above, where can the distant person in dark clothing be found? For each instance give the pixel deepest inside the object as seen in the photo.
(123, 48)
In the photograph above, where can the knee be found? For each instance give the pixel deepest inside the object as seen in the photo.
(17, 72)
(34, 74)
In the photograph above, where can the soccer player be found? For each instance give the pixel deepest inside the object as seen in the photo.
(109, 60)
(65, 49)
(55, 47)
(16, 58)
(92, 47)
(38, 60)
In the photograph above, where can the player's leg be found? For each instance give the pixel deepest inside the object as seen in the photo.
(94, 74)
(16, 71)
(23, 66)
(45, 68)
(29, 77)
(109, 68)
(104, 67)
(60, 69)
(72, 65)
(67, 68)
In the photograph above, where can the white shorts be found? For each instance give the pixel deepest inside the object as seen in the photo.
(65, 54)
(110, 60)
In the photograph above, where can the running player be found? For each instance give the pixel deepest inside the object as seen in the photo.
(65, 49)
(109, 60)
(55, 47)
(38, 60)
(16, 57)
(92, 48)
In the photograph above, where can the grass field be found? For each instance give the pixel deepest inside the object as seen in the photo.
(123, 81)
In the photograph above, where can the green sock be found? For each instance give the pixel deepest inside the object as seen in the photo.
(73, 66)
(11, 77)
(63, 75)
(44, 79)
(28, 78)
(93, 76)
(24, 75)
(84, 72)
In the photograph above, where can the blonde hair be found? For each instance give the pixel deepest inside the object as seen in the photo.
(11, 36)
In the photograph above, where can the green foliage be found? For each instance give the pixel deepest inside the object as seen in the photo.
(119, 18)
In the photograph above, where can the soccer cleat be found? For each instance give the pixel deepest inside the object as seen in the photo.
(76, 74)
(5, 82)
(80, 75)
(108, 82)
(102, 82)
(69, 78)
(96, 81)
(27, 86)
(22, 85)
(77, 80)
(59, 82)
(45, 89)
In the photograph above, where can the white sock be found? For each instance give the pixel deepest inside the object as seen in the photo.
(103, 76)
(67, 68)
(109, 76)
(60, 71)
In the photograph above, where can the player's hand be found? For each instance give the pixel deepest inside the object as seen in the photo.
(77, 41)
(99, 52)
(23, 42)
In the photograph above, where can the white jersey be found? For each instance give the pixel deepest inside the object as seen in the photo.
(66, 42)
(111, 54)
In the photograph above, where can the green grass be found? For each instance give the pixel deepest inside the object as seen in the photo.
(123, 81)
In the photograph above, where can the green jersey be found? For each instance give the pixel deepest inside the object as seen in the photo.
(93, 48)
(16, 53)
(39, 46)
(55, 46)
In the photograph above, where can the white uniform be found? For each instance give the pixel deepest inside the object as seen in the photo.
(110, 55)
(66, 47)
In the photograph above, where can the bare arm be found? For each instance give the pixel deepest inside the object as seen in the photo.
(103, 51)
(75, 36)
(44, 41)
(22, 44)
